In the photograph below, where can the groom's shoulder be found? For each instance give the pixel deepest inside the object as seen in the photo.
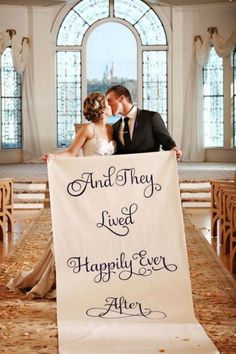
(146, 113)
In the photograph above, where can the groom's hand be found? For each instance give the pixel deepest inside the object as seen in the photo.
(179, 153)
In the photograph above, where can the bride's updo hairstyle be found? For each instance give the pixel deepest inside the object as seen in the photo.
(94, 106)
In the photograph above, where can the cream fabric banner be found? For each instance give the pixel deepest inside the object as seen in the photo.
(123, 282)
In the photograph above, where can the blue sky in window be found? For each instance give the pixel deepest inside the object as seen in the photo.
(111, 43)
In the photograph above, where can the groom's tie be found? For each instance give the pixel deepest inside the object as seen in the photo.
(126, 134)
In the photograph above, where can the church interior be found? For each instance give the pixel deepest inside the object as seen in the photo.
(181, 62)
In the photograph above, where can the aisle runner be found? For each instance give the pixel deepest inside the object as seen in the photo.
(123, 283)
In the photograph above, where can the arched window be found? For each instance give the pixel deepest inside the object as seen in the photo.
(213, 100)
(111, 57)
(11, 117)
(93, 26)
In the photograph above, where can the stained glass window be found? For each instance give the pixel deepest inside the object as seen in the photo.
(149, 32)
(144, 19)
(68, 95)
(79, 19)
(234, 101)
(11, 125)
(131, 11)
(155, 82)
(213, 98)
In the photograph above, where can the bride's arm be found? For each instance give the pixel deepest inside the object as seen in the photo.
(86, 132)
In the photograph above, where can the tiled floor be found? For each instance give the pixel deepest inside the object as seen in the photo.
(201, 218)
(187, 170)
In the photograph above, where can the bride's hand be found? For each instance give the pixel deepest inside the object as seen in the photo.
(46, 157)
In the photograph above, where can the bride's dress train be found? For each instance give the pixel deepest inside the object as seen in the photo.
(41, 281)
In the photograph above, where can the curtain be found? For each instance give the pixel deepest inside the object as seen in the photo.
(193, 127)
(19, 54)
(31, 143)
(192, 142)
(21, 57)
(5, 40)
(224, 48)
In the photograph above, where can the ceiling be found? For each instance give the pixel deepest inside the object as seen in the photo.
(188, 2)
(45, 3)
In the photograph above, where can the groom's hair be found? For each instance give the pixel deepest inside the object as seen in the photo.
(119, 91)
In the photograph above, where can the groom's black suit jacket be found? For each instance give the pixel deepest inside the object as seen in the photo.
(149, 134)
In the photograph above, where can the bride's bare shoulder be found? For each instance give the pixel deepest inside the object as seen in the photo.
(86, 129)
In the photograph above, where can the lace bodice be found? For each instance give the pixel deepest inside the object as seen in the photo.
(98, 145)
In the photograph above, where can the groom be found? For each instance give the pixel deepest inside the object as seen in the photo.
(138, 130)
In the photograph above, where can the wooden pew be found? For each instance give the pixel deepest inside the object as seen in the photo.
(216, 187)
(233, 238)
(6, 207)
(228, 196)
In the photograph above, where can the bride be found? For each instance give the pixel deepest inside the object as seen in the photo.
(93, 138)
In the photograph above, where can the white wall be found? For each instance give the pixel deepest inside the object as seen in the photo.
(37, 24)
(196, 20)
(44, 77)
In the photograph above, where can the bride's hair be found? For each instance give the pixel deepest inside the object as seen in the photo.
(94, 105)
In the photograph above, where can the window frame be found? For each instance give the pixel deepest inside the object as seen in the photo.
(140, 49)
(228, 105)
(215, 99)
(17, 118)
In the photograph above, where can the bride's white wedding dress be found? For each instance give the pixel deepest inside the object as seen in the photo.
(41, 281)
